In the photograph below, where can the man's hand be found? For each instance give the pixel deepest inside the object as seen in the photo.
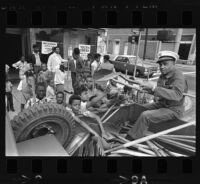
(148, 86)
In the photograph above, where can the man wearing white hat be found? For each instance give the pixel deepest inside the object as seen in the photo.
(169, 94)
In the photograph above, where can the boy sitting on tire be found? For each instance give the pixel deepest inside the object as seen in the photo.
(39, 95)
(74, 104)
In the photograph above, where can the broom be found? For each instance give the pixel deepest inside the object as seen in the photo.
(143, 139)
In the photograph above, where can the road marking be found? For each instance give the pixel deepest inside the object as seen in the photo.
(186, 73)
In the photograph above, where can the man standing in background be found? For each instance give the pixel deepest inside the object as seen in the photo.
(76, 65)
(36, 59)
(96, 63)
(55, 60)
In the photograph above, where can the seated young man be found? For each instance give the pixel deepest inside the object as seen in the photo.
(74, 104)
(91, 86)
(42, 74)
(86, 103)
(75, 109)
(60, 98)
(50, 91)
(39, 97)
(94, 90)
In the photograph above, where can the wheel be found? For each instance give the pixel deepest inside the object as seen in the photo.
(43, 119)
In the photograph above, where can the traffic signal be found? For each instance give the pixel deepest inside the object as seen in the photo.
(165, 35)
(133, 39)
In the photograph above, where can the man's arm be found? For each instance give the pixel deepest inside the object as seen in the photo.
(95, 100)
(92, 69)
(28, 104)
(49, 63)
(176, 91)
(16, 65)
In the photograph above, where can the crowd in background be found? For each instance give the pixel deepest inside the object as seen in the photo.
(44, 82)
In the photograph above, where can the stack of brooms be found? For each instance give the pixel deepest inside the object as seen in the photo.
(110, 143)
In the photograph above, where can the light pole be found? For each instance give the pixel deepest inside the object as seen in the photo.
(135, 67)
(107, 41)
(145, 44)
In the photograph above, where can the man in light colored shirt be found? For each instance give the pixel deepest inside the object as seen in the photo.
(36, 58)
(50, 92)
(107, 65)
(55, 60)
(59, 78)
(96, 63)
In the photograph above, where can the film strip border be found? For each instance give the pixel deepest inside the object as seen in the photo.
(102, 15)
(102, 170)
(98, 15)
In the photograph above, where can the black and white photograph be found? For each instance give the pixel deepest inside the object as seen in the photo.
(100, 92)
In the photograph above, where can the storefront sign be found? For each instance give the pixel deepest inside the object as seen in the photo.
(47, 46)
(84, 50)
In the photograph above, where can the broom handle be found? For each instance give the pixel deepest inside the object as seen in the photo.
(179, 139)
(152, 147)
(165, 150)
(177, 144)
(104, 121)
(180, 136)
(107, 112)
(87, 127)
(125, 140)
(151, 136)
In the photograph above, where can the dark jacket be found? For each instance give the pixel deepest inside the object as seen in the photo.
(32, 58)
(170, 89)
(79, 65)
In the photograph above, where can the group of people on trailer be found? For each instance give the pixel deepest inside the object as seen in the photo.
(42, 82)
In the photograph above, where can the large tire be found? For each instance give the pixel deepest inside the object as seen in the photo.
(25, 124)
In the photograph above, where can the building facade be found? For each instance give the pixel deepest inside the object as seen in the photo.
(104, 41)
(22, 40)
(183, 42)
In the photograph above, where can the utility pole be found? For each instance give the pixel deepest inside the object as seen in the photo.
(138, 47)
(145, 44)
(107, 41)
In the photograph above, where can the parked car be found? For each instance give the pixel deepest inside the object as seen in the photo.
(127, 62)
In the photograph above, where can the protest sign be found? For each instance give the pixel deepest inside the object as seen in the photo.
(84, 50)
(47, 46)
